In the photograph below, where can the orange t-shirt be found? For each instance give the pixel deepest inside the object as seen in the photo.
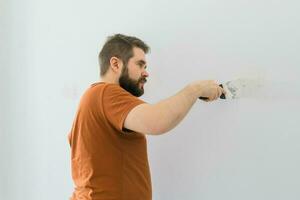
(108, 162)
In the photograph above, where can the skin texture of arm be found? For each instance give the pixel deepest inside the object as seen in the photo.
(159, 118)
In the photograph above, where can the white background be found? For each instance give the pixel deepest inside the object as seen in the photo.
(243, 149)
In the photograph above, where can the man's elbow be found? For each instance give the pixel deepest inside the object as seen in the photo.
(155, 131)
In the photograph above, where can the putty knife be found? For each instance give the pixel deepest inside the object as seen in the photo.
(238, 88)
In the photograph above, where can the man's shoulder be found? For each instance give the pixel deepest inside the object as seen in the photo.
(104, 85)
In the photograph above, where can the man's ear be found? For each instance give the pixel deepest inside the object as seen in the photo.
(116, 64)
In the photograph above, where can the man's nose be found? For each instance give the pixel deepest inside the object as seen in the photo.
(145, 74)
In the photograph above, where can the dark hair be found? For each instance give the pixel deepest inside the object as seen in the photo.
(120, 46)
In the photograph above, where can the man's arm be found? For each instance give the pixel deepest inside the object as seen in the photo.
(163, 116)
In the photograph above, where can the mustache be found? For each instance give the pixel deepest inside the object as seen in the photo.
(143, 80)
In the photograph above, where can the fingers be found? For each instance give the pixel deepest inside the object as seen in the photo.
(214, 95)
(211, 89)
(218, 92)
(223, 90)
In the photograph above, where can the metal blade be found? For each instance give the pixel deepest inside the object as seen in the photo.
(242, 88)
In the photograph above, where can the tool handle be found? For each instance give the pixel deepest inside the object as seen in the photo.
(221, 97)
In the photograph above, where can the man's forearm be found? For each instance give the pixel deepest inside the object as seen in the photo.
(169, 112)
(159, 118)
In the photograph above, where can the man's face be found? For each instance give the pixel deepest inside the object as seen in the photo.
(134, 74)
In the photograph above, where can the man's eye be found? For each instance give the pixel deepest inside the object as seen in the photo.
(141, 65)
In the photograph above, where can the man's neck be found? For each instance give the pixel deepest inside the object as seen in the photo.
(108, 79)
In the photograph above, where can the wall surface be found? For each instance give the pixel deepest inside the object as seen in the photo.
(241, 149)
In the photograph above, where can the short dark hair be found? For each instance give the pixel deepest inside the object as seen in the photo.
(120, 46)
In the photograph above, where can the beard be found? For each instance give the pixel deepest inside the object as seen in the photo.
(131, 85)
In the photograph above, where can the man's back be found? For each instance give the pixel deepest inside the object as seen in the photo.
(108, 163)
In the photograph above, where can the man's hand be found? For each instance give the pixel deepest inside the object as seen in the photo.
(209, 89)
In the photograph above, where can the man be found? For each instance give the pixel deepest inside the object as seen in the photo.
(108, 143)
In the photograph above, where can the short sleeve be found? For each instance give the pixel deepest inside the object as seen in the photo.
(117, 103)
